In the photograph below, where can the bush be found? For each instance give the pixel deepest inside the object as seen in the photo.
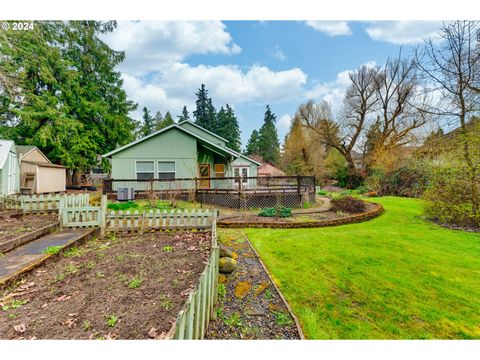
(282, 212)
(450, 199)
(348, 204)
(129, 205)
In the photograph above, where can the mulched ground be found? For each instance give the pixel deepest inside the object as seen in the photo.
(120, 287)
(12, 226)
(249, 306)
(306, 215)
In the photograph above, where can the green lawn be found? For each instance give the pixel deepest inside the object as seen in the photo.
(397, 276)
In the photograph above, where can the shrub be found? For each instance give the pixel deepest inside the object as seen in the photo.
(347, 204)
(282, 212)
(322, 192)
(449, 197)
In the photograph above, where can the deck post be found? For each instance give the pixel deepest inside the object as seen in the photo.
(102, 215)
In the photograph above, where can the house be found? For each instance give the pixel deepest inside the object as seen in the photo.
(9, 168)
(38, 175)
(267, 168)
(183, 150)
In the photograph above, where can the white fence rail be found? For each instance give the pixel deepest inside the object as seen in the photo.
(29, 204)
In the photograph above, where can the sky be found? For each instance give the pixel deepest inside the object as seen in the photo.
(249, 64)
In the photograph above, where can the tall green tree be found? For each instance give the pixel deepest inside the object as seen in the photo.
(184, 116)
(148, 125)
(71, 104)
(205, 114)
(268, 143)
(253, 144)
(168, 120)
(227, 127)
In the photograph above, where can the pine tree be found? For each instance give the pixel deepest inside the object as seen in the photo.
(157, 121)
(184, 116)
(148, 123)
(227, 127)
(253, 147)
(72, 103)
(204, 113)
(268, 143)
(168, 120)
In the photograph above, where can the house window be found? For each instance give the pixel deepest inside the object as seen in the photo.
(241, 171)
(166, 170)
(145, 170)
(219, 170)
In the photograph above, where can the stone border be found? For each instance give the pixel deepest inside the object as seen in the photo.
(285, 302)
(47, 258)
(355, 218)
(25, 238)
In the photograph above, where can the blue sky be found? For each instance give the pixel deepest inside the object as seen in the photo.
(250, 64)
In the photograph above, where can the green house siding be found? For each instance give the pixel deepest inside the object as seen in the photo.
(173, 145)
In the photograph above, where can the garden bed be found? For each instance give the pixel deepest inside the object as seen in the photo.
(301, 220)
(249, 306)
(12, 225)
(123, 287)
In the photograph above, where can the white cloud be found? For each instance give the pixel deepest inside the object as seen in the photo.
(284, 122)
(331, 28)
(148, 45)
(175, 86)
(277, 53)
(403, 32)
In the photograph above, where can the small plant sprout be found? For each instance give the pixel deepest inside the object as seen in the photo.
(167, 248)
(135, 282)
(268, 294)
(14, 304)
(112, 320)
(52, 250)
(86, 325)
(74, 252)
(167, 304)
(100, 275)
(282, 319)
(222, 291)
(233, 321)
(90, 265)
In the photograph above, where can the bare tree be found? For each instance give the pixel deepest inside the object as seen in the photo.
(359, 101)
(451, 64)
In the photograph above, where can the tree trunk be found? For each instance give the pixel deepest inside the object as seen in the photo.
(352, 171)
(77, 177)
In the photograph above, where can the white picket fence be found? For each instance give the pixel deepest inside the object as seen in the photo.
(43, 203)
(157, 219)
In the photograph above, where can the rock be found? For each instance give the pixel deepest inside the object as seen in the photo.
(242, 288)
(225, 252)
(226, 265)
(20, 328)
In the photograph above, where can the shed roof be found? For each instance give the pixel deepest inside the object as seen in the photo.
(5, 147)
(43, 164)
(24, 150)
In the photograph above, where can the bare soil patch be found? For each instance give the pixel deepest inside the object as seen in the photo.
(120, 287)
(12, 226)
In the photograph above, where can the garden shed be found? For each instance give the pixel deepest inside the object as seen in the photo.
(9, 168)
(38, 175)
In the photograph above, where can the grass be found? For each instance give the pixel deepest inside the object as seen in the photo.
(135, 282)
(397, 276)
(141, 205)
(52, 250)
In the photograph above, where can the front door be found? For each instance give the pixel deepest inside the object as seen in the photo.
(204, 170)
(12, 175)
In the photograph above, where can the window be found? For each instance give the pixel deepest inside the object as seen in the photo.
(241, 171)
(145, 170)
(166, 170)
(219, 170)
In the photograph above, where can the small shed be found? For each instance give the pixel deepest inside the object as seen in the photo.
(38, 175)
(9, 168)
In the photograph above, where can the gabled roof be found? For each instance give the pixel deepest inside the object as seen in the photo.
(201, 128)
(24, 150)
(5, 147)
(223, 150)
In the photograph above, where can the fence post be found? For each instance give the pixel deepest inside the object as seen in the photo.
(102, 215)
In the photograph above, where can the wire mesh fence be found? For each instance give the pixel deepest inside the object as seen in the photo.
(231, 192)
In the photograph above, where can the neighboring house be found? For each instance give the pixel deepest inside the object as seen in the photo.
(183, 150)
(37, 173)
(9, 169)
(266, 169)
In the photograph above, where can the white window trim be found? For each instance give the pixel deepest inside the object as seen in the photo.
(166, 160)
(136, 168)
(240, 167)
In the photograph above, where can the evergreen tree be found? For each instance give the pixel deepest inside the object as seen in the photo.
(227, 127)
(72, 104)
(268, 143)
(168, 120)
(184, 116)
(148, 123)
(253, 145)
(157, 121)
(204, 113)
